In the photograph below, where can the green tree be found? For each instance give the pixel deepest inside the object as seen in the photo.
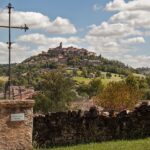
(56, 91)
(132, 81)
(108, 75)
(148, 80)
(95, 87)
(98, 74)
(92, 89)
(84, 73)
(83, 90)
(2, 85)
(142, 83)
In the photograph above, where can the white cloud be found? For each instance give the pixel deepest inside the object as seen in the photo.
(105, 45)
(41, 43)
(124, 30)
(61, 25)
(19, 53)
(113, 30)
(116, 38)
(117, 5)
(97, 7)
(41, 39)
(137, 19)
(109, 38)
(37, 20)
(35, 38)
(135, 40)
(137, 61)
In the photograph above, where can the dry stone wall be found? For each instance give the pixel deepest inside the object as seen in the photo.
(15, 134)
(65, 128)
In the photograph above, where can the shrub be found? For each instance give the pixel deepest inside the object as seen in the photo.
(95, 87)
(118, 96)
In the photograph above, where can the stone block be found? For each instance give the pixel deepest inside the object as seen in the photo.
(16, 135)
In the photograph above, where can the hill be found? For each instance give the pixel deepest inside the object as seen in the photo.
(78, 62)
(76, 58)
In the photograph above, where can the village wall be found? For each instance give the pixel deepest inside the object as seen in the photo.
(67, 128)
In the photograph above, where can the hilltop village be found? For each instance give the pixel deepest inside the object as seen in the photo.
(62, 55)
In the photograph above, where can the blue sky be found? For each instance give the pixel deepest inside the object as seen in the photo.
(117, 29)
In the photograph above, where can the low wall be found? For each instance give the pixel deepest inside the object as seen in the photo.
(64, 128)
(16, 122)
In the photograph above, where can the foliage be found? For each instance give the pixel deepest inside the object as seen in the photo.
(108, 75)
(76, 60)
(148, 81)
(146, 94)
(56, 91)
(94, 87)
(2, 85)
(132, 81)
(84, 73)
(98, 74)
(83, 89)
(118, 96)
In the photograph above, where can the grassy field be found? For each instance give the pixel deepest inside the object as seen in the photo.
(104, 80)
(82, 79)
(119, 145)
(139, 75)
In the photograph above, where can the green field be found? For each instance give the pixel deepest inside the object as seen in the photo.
(82, 80)
(139, 75)
(69, 71)
(119, 145)
(104, 80)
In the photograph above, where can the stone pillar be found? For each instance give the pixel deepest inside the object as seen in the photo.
(16, 122)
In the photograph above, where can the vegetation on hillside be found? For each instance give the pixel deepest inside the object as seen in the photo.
(68, 57)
